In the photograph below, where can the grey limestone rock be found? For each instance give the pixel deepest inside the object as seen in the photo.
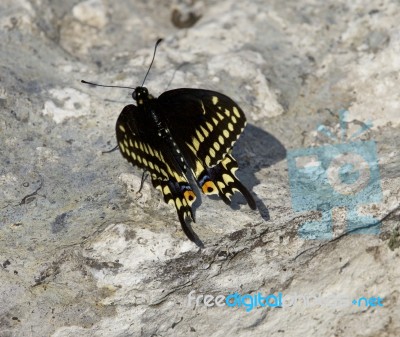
(82, 253)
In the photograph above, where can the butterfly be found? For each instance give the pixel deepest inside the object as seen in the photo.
(184, 132)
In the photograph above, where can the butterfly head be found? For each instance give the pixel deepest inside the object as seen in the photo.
(141, 95)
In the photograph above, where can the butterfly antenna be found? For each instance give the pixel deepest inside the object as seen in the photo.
(107, 86)
(154, 55)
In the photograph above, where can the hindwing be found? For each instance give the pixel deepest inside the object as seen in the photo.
(206, 124)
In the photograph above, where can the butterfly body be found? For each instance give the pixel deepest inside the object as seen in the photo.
(182, 132)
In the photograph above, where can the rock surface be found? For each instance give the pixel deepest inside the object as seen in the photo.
(83, 254)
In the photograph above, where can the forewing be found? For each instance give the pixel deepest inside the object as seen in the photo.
(205, 122)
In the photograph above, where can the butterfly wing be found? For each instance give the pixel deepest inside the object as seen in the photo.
(140, 145)
(206, 124)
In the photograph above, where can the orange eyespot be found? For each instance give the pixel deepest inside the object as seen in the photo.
(209, 188)
(190, 197)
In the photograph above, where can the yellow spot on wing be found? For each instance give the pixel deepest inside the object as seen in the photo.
(121, 146)
(227, 178)
(196, 143)
(226, 133)
(215, 100)
(157, 155)
(191, 148)
(227, 112)
(226, 161)
(236, 112)
(230, 126)
(130, 142)
(200, 136)
(209, 126)
(205, 132)
(215, 121)
(208, 160)
(166, 190)
(145, 148)
(220, 116)
(212, 152)
(216, 146)
(202, 106)
(199, 169)
(178, 203)
(162, 171)
(121, 127)
(221, 185)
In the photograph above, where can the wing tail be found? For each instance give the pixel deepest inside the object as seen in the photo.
(221, 180)
(181, 195)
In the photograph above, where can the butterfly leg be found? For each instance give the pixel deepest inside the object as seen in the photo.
(144, 177)
(109, 151)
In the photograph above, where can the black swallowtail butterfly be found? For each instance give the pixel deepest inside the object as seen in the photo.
(183, 130)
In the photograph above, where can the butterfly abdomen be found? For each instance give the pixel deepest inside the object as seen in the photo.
(164, 135)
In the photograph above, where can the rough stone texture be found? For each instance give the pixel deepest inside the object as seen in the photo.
(83, 254)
